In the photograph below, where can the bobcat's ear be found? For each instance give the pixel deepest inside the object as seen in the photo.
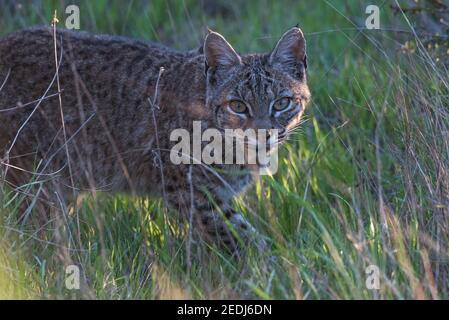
(290, 52)
(218, 52)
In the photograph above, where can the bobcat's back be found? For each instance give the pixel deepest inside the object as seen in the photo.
(112, 70)
(105, 82)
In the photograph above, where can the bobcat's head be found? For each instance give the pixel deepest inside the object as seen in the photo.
(257, 91)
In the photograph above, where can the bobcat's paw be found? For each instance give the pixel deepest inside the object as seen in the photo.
(247, 233)
(233, 234)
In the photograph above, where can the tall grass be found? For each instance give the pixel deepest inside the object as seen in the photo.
(365, 182)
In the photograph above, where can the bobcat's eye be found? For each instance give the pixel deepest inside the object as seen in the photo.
(281, 104)
(238, 106)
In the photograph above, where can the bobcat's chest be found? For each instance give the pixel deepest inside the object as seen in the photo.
(235, 181)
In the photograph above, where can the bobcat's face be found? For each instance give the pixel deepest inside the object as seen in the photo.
(257, 91)
(260, 97)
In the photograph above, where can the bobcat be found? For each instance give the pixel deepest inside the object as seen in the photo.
(83, 112)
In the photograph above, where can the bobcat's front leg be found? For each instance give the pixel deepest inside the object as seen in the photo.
(228, 229)
(220, 225)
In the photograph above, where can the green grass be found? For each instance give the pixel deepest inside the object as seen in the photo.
(365, 182)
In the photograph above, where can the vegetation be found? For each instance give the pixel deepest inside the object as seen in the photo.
(365, 182)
